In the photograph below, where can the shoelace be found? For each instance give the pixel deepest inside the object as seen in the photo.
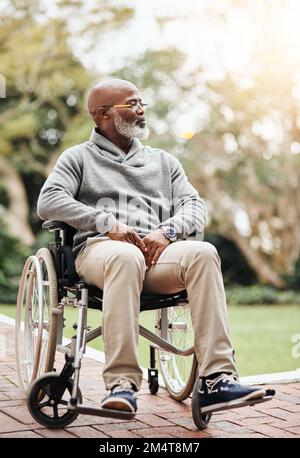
(231, 379)
(124, 385)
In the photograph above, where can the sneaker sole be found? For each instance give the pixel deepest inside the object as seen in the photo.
(259, 394)
(118, 404)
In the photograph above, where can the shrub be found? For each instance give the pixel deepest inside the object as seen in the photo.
(256, 294)
(12, 257)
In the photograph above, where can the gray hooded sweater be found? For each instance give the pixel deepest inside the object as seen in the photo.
(95, 184)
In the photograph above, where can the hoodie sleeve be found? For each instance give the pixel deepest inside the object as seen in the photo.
(189, 210)
(57, 199)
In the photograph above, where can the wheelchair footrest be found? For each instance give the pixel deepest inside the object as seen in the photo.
(122, 415)
(250, 402)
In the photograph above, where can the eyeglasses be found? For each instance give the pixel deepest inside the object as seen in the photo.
(133, 106)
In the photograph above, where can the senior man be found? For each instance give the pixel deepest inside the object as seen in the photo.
(133, 207)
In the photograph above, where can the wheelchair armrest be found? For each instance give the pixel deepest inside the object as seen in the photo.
(54, 225)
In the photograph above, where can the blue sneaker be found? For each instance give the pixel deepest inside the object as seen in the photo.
(224, 392)
(122, 397)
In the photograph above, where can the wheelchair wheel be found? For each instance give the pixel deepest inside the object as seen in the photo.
(35, 335)
(201, 420)
(46, 406)
(174, 324)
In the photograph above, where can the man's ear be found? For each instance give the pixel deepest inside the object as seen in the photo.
(104, 114)
(99, 114)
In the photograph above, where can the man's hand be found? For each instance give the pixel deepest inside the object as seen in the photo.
(156, 243)
(124, 233)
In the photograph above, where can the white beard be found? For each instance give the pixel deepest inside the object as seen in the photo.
(129, 130)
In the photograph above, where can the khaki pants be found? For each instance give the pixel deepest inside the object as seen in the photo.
(119, 269)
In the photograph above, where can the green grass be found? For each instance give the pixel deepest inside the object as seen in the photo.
(261, 335)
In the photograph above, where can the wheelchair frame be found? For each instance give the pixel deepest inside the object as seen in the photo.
(84, 297)
(55, 267)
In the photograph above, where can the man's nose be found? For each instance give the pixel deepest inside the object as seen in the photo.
(140, 110)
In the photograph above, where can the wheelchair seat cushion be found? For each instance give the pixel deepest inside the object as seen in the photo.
(148, 301)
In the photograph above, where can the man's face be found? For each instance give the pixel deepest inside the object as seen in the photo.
(130, 122)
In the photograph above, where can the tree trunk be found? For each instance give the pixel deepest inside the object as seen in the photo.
(16, 216)
(225, 227)
(263, 270)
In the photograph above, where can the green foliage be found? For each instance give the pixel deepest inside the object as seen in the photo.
(259, 295)
(44, 113)
(156, 74)
(235, 268)
(293, 280)
(12, 257)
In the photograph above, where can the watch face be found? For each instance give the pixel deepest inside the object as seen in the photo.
(170, 233)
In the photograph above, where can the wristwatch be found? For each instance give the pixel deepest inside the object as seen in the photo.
(169, 233)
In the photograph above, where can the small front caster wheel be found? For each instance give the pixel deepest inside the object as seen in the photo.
(153, 385)
(48, 399)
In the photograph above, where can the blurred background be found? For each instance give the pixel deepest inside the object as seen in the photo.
(222, 81)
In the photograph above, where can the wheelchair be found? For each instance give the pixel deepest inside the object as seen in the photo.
(48, 284)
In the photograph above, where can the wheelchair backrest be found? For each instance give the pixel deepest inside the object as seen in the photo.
(62, 251)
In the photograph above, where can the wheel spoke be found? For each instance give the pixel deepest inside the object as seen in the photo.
(43, 404)
(46, 390)
(63, 402)
(55, 411)
(177, 370)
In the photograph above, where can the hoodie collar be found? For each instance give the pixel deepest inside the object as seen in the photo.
(111, 150)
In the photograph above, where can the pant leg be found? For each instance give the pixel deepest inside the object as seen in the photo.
(118, 268)
(196, 267)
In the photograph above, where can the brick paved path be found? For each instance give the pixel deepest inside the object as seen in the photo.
(158, 416)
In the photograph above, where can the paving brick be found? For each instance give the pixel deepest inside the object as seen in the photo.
(21, 414)
(5, 369)
(232, 427)
(291, 407)
(124, 433)
(229, 415)
(295, 385)
(294, 399)
(13, 402)
(158, 416)
(187, 423)
(231, 435)
(17, 393)
(289, 389)
(170, 415)
(3, 397)
(213, 432)
(9, 424)
(153, 420)
(191, 434)
(130, 425)
(89, 420)
(55, 433)
(6, 384)
(21, 434)
(271, 431)
(85, 431)
(281, 414)
(247, 436)
(284, 424)
(253, 421)
(295, 430)
(170, 431)
(248, 412)
(275, 402)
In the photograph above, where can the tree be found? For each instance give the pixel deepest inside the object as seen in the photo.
(44, 111)
(245, 157)
(242, 155)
